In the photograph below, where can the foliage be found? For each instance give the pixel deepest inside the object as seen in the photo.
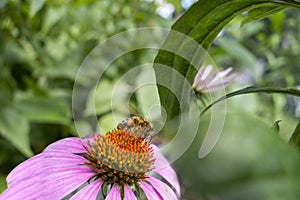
(44, 42)
(275, 53)
(204, 27)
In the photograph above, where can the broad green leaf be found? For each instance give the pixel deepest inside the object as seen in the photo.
(35, 6)
(202, 23)
(260, 13)
(256, 89)
(15, 128)
(45, 110)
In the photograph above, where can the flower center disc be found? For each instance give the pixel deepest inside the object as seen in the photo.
(119, 157)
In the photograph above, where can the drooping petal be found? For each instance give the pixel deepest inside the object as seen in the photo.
(67, 145)
(19, 173)
(114, 193)
(221, 83)
(28, 186)
(88, 192)
(205, 81)
(149, 191)
(217, 86)
(224, 73)
(201, 76)
(163, 168)
(206, 72)
(72, 145)
(53, 174)
(231, 77)
(198, 77)
(64, 172)
(163, 189)
(128, 194)
(46, 182)
(216, 79)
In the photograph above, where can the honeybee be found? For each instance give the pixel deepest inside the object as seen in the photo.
(137, 126)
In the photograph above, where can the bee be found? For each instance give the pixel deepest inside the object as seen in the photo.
(137, 126)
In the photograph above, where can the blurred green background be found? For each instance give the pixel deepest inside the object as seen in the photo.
(43, 44)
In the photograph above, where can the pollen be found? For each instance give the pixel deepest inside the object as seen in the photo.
(119, 157)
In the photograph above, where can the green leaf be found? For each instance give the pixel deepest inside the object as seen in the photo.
(2, 183)
(202, 23)
(260, 13)
(35, 6)
(295, 138)
(53, 15)
(45, 110)
(277, 21)
(239, 52)
(247, 90)
(256, 89)
(15, 128)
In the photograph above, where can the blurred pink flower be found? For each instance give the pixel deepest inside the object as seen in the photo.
(113, 166)
(205, 81)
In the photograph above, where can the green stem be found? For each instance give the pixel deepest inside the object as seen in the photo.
(255, 89)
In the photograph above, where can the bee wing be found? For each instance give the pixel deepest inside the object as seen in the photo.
(134, 111)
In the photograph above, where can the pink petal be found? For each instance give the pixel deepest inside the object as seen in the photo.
(202, 75)
(225, 72)
(230, 77)
(88, 192)
(208, 82)
(21, 171)
(70, 145)
(215, 80)
(163, 168)
(114, 193)
(52, 174)
(48, 181)
(221, 77)
(149, 191)
(207, 71)
(163, 189)
(28, 190)
(209, 79)
(221, 85)
(53, 157)
(128, 194)
(198, 76)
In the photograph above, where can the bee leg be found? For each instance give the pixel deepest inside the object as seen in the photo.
(148, 139)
